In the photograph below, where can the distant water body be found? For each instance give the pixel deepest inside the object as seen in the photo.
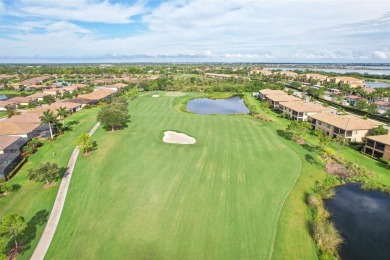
(382, 71)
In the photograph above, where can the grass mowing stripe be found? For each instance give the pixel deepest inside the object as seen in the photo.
(148, 199)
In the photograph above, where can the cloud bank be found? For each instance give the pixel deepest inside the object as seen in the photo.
(232, 30)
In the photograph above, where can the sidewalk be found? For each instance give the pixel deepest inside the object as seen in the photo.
(48, 233)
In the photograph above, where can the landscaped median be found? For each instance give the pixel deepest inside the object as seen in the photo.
(31, 200)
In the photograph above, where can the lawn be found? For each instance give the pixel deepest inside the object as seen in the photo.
(137, 197)
(32, 201)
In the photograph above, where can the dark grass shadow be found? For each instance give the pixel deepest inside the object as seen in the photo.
(310, 159)
(72, 123)
(382, 165)
(94, 146)
(61, 174)
(284, 134)
(309, 148)
(30, 233)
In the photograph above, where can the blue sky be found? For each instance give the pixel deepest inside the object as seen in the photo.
(198, 30)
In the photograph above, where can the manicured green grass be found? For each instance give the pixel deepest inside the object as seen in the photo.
(31, 200)
(137, 197)
(3, 114)
(10, 92)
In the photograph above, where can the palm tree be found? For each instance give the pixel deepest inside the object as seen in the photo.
(47, 118)
(62, 112)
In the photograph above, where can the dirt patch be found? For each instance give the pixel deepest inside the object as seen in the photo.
(14, 252)
(299, 141)
(178, 138)
(47, 186)
(337, 169)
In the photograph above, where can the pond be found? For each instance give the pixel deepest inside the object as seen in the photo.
(370, 84)
(363, 219)
(207, 106)
(361, 71)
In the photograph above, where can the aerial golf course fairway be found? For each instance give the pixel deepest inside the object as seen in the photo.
(137, 197)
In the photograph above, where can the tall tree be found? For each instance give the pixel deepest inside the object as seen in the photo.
(62, 112)
(373, 108)
(84, 142)
(380, 130)
(113, 116)
(10, 110)
(12, 225)
(46, 172)
(48, 118)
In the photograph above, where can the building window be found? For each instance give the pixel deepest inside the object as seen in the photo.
(379, 146)
(368, 151)
(370, 143)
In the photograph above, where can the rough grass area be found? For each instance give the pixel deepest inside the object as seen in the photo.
(31, 200)
(136, 197)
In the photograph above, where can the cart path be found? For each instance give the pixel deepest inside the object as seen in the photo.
(48, 233)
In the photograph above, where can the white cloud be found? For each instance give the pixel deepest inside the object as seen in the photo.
(226, 30)
(383, 55)
(81, 10)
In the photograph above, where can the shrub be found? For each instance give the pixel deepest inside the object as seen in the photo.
(327, 237)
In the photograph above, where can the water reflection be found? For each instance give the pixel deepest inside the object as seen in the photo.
(233, 105)
(363, 218)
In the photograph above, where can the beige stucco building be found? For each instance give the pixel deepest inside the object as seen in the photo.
(300, 110)
(378, 146)
(351, 127)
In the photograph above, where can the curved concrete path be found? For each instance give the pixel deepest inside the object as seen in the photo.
(51, 226)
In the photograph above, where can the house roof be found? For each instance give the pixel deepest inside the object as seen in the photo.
(79, 100)
(268, 91)
(39, 86)
(20, 99)
(31, 116)
(98, 94)
(384, 139)
(261, 71)
(6, 103)
(119, 85)
(68, 105)
(346, 122)
(288, 73)
(38, 95)
(354, 97)
(368, 90)
(383, 103)
(301, 106)
(7, 140)
(12, 128)
(316, 76)
(75, 86)
(352, 79)
(282, 98)
(36, 80)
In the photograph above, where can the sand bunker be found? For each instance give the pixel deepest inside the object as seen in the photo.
(177, 138)
(156, 96)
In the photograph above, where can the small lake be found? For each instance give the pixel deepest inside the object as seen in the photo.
(207, 106)
(361, 71)
(363, 218)
(377, 84)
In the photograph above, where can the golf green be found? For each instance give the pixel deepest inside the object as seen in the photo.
(137, 197)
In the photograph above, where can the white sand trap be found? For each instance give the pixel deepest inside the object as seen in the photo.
(156, 96)
(177, 138)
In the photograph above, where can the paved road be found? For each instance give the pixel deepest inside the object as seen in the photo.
(55, 215)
